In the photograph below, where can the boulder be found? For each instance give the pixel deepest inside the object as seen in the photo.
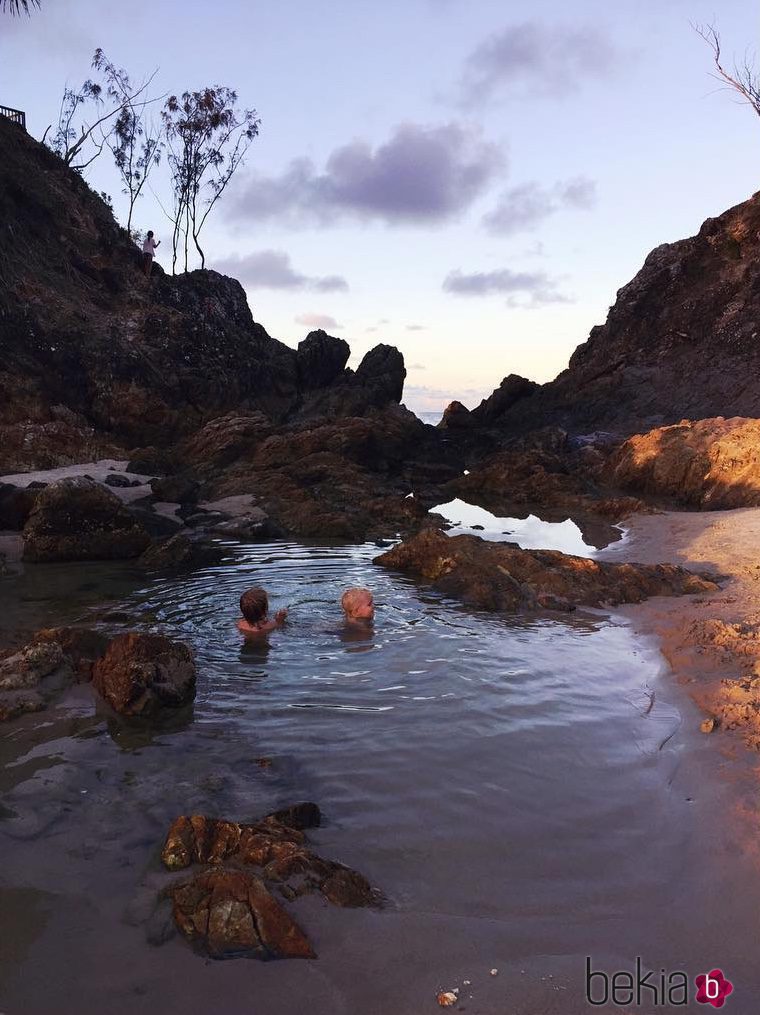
(81, 646)
(178, 489)
(224, 440)
(710, 464)
(180, 552)
(320, 360)
(16, 504)
(501, 578)
(511, 390)
(232, 913)
(119, 481)
(382, 372)
(151, 462)
(77, 519)
(140, 674)
(456, 416)
(22, 674)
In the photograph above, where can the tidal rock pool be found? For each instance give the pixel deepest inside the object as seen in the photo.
(526, 792)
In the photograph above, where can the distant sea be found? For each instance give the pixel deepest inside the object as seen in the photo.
(430, 417)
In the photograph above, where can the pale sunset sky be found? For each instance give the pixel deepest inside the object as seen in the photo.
(469, 180)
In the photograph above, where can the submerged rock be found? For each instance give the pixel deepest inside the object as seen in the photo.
(179, 551)
(78, 519)
(21, 675)
(494, 576)
(232, 913)
(276, 847)
(139, 674)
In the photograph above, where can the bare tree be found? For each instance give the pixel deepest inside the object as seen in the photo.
(133, 140)
(207, 140)
(17, 6)
(79, 140)
(743, 78)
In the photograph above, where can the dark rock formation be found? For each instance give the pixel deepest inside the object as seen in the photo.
(77, 519)
(179, 551)
(681, 341)
(321, 360)
(456, 416)
(139, 674)
(511, 390)
(711, 464)
(16, 503)
(22, 674)
(178, 489)
(494, 576)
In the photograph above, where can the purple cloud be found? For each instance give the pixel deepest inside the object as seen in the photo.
(323, 321)
(271, 269)
(537, 286)
(524, 207)
(538, 59)
(421, 174)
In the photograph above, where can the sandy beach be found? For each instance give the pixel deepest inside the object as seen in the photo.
(711, 642)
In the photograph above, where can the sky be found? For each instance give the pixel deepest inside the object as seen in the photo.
(471, 181)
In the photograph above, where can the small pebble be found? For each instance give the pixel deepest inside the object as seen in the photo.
(447, 998)
(494, 972)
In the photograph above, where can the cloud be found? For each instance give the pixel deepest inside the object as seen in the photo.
(536, 59)
(421, 174)
(524, 207)
(271, 269)
(416, 327)
(416, 366)
(537, 286)
(318, 321)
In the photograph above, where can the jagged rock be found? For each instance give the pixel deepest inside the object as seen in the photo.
(496, 577)
(275, 846)
(16, 503)
(456, 416)
(139, 674)
(77, 519)
(511, 390)
(382, 372)
(81, 646)
(710, 464)
(180, 552)
(231, 913)
(321, 360)
(224, 440)
(179, 489)
(22, 674)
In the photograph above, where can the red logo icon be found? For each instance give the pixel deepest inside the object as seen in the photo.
(713, 988)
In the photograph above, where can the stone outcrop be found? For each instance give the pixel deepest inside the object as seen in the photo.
(22, 674)
(78, 519)
(179, 551)
(495, 576)
(141, 674)
(709, 464)
(228, 907)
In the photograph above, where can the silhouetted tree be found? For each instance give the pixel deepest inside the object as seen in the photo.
(133, 140)
(743, 78)
(207, 140)
(17, 6)
(79, 141)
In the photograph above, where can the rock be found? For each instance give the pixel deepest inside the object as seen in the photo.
(511, 391)
(16, 504)
(119, 480)
(150, 462)
(382, 372)
(447, 999)
(456, 416)
(81, 646)
(320, 360)
(496, 577)
(140, 674)
(180, 552)
(710, 464)
(155, 523)
(255, 525)
(77, 519)
(231, 913)
(224, 440)
(22, 675)
(178, 489)
(276, 846)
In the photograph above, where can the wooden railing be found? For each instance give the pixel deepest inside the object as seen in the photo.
(14, 114)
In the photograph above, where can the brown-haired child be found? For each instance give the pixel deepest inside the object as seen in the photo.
(254, 605)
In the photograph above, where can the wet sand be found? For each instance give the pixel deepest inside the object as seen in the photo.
(712, 643)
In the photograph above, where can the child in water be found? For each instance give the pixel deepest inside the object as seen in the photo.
(358, 606)
(254, 605)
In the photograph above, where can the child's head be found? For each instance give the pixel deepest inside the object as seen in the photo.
(358, 604)
(150, 234)
(254, 604)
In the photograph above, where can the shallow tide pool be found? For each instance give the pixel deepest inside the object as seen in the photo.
(526, 791)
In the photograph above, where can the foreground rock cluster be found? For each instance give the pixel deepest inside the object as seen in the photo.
(500, 577)
(228, 907)
(138, 675)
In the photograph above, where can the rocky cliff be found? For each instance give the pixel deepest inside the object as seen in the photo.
(93, 357)
(681, 341)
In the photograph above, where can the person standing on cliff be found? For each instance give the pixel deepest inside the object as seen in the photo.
(149, 250)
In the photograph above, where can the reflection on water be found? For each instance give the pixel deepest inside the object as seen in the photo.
(514, 786)
(530, 533)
